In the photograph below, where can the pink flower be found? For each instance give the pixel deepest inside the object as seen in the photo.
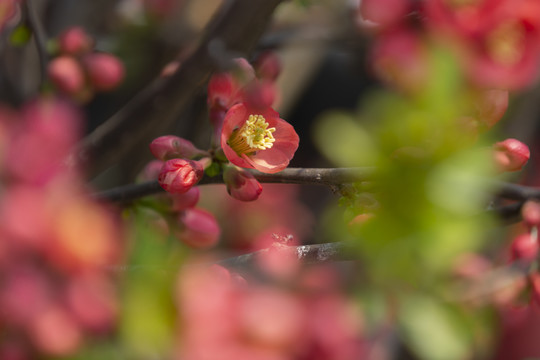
(510, 155)
(384, 13)
(177, 176)
(199, 228)
(258, 139)
(7, 11)
(524, 247)
(241, 184)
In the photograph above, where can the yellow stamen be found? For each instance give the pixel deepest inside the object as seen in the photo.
(254, 135)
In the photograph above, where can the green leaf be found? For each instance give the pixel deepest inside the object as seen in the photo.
(433, 330)
(343, 141)
(20, 36)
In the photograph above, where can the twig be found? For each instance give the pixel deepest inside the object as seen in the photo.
(236, 28)
(328, 177)
(307, 254)
(39, 35)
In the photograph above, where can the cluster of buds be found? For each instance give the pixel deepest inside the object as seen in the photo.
(78, 71)
(178, 171)
(55, 241)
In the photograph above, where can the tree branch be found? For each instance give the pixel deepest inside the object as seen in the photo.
(313, 176)
(40, 37)
(234, 30)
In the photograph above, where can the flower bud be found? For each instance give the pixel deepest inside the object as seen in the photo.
(177, 176)
(268, 66)
(199, 228)
(383, 13)
(105, 71)
(66, 73)
(241, 184)
(510, 155)
(524, 247)
(531, 213)
(75, 41)
(186, 200)
(260, 94)
(169, 147)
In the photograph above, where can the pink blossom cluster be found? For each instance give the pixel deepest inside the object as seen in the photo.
(78, 71)
(223, 316)
(55, 240)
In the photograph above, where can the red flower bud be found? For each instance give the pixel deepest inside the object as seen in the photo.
(169, 147)
(524, 247)
(241, 184)
(199, 228)
(75, 41)
(105, 71)
(177, 176)
(268, 66)
(510, 155)
(531, 213)
(383, 13)
(260, 94)
(66, 73)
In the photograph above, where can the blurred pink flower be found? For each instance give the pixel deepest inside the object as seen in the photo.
(510, 155)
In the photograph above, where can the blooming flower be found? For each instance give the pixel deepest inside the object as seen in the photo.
(258, 139)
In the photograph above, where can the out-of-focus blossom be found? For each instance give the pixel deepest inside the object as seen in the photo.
(161, 8)
(41, 141)
(241, 184)
(169, 147)
(524, 247)
(7, 11)
(55, 241)
(260, 94)
(258, 139)
(198, 228)
(268, 66)
(497, 40)
(105, 71)
(531, 213)
(67, 74)
(491, 106)
(257, 322)
(382, 13)
(177, 176)
(75, 41)
(189, 199)
(510, 155)
(399, 58)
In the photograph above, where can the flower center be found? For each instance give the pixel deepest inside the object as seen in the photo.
(252, 136)
(506, 43)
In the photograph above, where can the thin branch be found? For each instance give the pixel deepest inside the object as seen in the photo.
(307, 254)
(235, 30)
(39, 35)
(328, 177)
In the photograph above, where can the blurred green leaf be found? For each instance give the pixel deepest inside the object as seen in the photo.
(20, 36)
(432, 330)
(343, 141)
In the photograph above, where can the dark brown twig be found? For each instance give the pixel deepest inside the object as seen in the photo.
(40, 37)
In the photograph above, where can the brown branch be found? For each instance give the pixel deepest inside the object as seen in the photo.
(40, 37)
(328, 177)
(235, 29)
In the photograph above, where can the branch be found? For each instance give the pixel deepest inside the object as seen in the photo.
(307, 254)
(40, 37)
(329, 177)
(234, 30)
